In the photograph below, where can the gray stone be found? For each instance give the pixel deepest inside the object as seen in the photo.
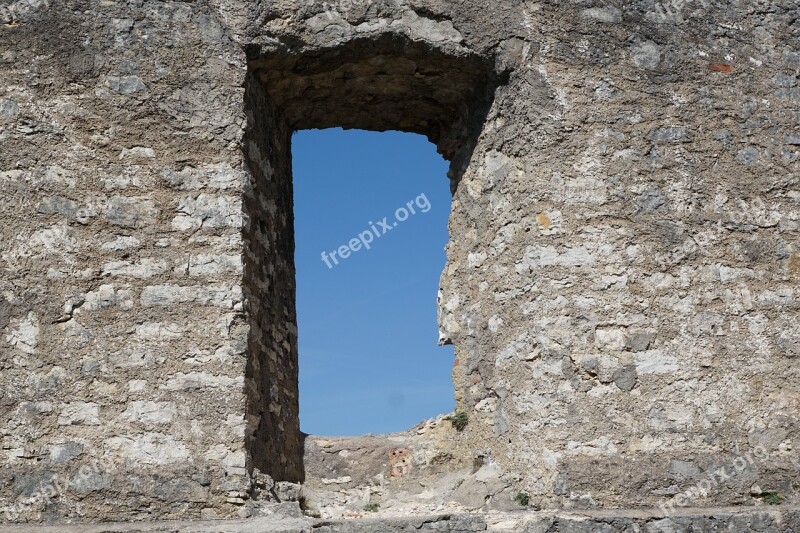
(603, 14)
(626, 378)
(170, 295)
(747, 156)
(149, 412)
(566, 525)
(670, 134)
(467, 523)
(126, 84)
(33, 484)
(684, 470)
(65, 453)
(286, 491)
(58, 205)
(282, 510)
(561, 485)
(782, 79)
(651, 200)
(539, 525)
(770, 439)
(646, 55)
(5, 313)
(131, 212)
(8, 108)
(181, 490)
(639, 341)
(79, 413)
(84, 483)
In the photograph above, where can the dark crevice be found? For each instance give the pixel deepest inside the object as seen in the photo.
(429, 14)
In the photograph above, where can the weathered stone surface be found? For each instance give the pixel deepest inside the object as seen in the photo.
(622, 277)
(80, 413)
(150, 412)
(617, 521)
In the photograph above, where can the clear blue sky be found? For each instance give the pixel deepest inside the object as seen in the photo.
(369, 360)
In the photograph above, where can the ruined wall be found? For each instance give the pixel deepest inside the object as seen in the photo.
(621, 285)
(622, 278)
(124, 338)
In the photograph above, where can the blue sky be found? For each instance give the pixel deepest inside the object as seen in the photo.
(369, 360)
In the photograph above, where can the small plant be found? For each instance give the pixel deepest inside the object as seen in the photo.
(522, 498)
(459, 420)
(772, 498)
(372, 507)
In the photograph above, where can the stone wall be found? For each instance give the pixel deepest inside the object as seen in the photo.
(622, 282)
(273, 429)
(622, 277)
(124, 334)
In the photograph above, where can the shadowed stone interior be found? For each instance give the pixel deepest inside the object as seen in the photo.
(385, 83)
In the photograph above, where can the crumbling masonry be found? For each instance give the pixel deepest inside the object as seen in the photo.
(623, 277)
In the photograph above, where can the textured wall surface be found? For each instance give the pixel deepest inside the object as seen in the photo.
(273, 429)
(623, 273)
(124, 340)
